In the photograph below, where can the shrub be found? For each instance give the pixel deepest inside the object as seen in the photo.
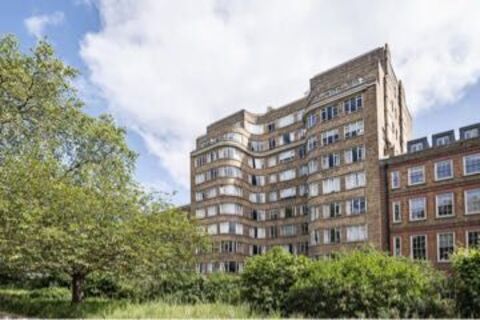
(466, 276)
(368, 284)
(266, 279)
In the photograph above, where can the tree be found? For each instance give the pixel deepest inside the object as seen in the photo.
(466, 279)
(68, 200)
(267, 278)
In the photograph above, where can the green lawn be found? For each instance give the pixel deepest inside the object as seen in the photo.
(54, 303)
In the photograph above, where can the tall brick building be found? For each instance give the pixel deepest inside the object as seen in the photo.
(305, 176)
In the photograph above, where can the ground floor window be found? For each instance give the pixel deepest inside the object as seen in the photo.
(418, 247)
(445, 246)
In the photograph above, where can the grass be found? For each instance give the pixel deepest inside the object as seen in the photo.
(55, 303)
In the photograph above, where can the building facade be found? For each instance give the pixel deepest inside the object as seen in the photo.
(305, 176)
(433, 196)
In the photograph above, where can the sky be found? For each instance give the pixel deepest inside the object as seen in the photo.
(166, 69)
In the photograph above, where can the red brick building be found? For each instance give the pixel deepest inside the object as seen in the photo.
(432, 196)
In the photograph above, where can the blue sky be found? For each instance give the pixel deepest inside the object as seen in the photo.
(165, 69)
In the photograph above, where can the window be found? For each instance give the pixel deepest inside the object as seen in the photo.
(473, 239)
(331, 236)
(311, 120)
(332, 210)
(212, 210)
(356, 206)
(286, 156)
(472, 133)
(416, 147)
(287, 175)
(396, 212)
(416, 175)
(471, 164)
(330, 160)
(397, 246)
(355, 180)
(443, 170)
(212, 229)
(254, 128)
(356, 233)
(445, 246)
(229, 246)
(199, 178)
(230, 190)
(353, 104)
(355, 154)
(330, 137)
(312, 166)
(329, 113)
(286, 121)
(353, 129)
(472, 201)
(418, 247)
(441, 141)
(395, 176)
(444, 204)
(331, 185)
(200, 213)
(418, 209)
(271, 143)
(286, 138)
(272, 178)
(313, 189)
(287, 193)
(257, 197)
(287, 231)
(271, 127)
(272, 196)
(230, 208)
(311, 143)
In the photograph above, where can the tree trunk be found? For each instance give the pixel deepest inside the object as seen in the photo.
(78, 280)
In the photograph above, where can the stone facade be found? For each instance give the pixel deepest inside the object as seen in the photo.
(432, 196)
(304, 176)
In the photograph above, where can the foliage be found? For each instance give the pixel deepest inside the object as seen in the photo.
(466, 278)
(267, 278)
(47, 303)
(368, 284)
(69, 204)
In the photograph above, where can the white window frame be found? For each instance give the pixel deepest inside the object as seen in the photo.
(394, 246)
(438, 245)
(465, 164)
(426, 245)
(410, 209)
(435, 170)
(453, 205)
(466, 201)
(394, 204)
(409, 176)
(392, 174)
(467, 234)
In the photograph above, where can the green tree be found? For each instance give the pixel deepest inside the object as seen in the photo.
(466, 279)
(267, 278)
(371, 284)
(68, 201)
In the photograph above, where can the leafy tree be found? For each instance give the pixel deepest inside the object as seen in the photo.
(68, 201)
(267, 278)
(369, 284)
(466, 278)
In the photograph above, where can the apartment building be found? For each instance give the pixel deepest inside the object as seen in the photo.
(433, 196)
(306, 175)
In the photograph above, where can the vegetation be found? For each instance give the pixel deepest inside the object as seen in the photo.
(54, 303)
(466, 279)
(69, 204)
(369, 284)
(268, 278)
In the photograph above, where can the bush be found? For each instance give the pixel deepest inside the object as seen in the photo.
(466, 276)
(368, 284)
(266, 279)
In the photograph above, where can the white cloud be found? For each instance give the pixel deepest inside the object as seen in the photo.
(171, 67)
(36, 25)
